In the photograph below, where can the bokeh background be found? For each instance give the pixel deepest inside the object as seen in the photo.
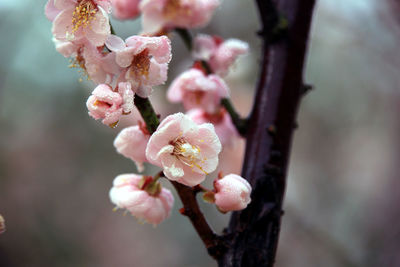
(342, 205)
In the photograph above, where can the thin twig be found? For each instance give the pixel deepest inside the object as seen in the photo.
(240, 124)
(147, 112)
(191, 209)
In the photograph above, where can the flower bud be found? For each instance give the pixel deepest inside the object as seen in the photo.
(232, 193)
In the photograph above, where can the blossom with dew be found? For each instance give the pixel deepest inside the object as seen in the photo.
(125, 9)
(222, 122)
(219, 53)
(2, 225)
(131, 142)
(161, 15)
(197, 90)
(232, 193)
(142, 196)
(80, 20)
(187, 152)
(144, 59)
(109, 105)
(98, 65)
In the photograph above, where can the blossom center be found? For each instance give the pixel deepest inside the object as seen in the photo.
(83, 14)
(196, 96)
(102, 104)
(174, 8)
(187, 153)
(140, 65)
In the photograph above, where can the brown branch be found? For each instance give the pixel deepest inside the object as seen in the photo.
(253, 233)
(191, 209)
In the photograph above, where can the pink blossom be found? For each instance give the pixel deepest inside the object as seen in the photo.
(232, 193)
(131, 142)
(220, 54)
(108, 105)
(145, 60)
(79, 20)
(198, 90)
(186, 151)
(98, 65)
(159, 15)
(125, 9)
(136, 194)
(222, 122)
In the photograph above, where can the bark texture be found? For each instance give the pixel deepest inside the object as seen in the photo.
(252, 235)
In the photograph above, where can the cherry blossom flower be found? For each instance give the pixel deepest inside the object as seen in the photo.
(131, 142)
(222, 122)
(145, 60)
(125, 9)
(108, 105)
(159, 15)
(232, 193)
(142, 197)
(80, 20)
(198, 90)
(98, 65)
(218, 53)
(187, 152)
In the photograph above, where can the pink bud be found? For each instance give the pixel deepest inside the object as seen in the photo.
(232, 193)
(108, 105)
(187, 152)
(131, 142)
(127, 193)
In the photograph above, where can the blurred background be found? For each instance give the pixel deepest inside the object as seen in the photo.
(342, 205)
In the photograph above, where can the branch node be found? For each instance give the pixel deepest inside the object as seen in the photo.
(306, 88)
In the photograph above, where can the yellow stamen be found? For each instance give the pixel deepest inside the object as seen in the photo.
(83, 14)
(140, 65)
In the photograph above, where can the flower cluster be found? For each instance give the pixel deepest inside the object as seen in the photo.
(202, 87)
(185, 146)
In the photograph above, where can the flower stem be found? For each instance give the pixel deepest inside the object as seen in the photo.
(186, 37)
(240, 124)
(148, 114)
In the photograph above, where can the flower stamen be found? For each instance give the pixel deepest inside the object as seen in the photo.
(83, 15)
(188, 154)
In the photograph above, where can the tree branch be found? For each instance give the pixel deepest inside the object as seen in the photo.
(253, 233)
(213, 243)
